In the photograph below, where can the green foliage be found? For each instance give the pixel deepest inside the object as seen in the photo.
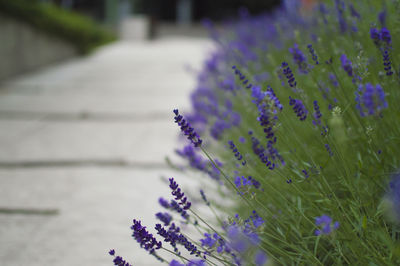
(79, 30)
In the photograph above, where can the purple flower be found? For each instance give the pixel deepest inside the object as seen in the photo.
(317, 114)
(242, 77)
(382, 17)
(347, 65)
(386, 37)
(289, 75)
(306, 175)
(238, 156)
(260, 258)
(387, 63)
(325, 222)
(173, 236)
(370, 100)
(187, 129)
(328, 149)
(298, 108)
(164, 217)
(375, 35)
(179, 195)
(119, 261)
(256, 220)
(175, 263)
(209, 241)
(354, 12)
(196, 263)
(164, 203)
(203, 196)
(340, 10)
(313, 54)
(393, 195)
(299, 58)
(196, 161)
(333, 80)
(144, 238)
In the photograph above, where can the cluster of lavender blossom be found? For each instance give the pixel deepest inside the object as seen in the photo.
(298, 110)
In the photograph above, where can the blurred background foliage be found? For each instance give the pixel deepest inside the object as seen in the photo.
(81, 31)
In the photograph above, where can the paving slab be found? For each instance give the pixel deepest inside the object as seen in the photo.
(83, 148)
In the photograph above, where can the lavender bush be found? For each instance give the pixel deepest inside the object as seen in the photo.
(296, 118)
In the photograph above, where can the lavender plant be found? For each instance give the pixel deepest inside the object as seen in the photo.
(300, 119)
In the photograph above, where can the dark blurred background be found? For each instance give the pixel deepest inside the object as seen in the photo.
(166, 10)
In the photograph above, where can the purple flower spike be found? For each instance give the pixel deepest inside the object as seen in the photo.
(238, 156)
(165, 217)
(289, 75)
(144, 238)
(317, 114)
(375, 36)
(298, 108)
(313, 54)
(187, 130)
(347, 65)
(386, 37)
(387, 63)
(370, 100)
(179, 195)
(299, 58)
(242, 78)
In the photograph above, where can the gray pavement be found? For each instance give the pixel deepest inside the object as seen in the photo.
(82, 151)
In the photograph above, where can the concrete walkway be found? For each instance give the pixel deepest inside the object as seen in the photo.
(82, 151)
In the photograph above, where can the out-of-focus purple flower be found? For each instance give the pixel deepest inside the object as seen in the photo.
(340, 7)
(175, 263)
(347, 65)
(382, 17)
(306, 174)
(375, 35)
(328, 149)
(324, 11)
(370, 99)
(165, 217)
(260, 258)
(299, 58)
(298, 108)
(325, 223)
(196, 263)
(313, 54)
(386, 36)
(333, 80)
(242, 77)
(354, 12)
(393, 195)
(203, 196)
